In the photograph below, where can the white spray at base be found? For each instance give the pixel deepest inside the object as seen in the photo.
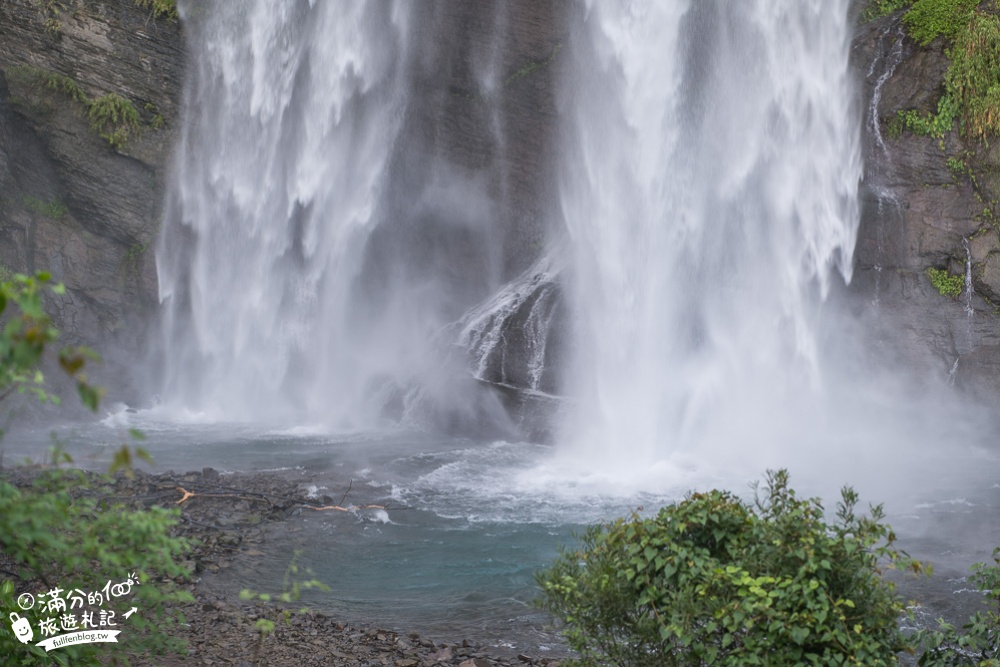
(709, 189)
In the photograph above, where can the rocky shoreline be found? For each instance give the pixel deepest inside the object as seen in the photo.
(227, 516)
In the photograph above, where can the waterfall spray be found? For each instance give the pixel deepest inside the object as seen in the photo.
(709, 189)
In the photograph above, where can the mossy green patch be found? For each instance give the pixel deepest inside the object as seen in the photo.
(51, 80)
(972, 82)
(945, 283)
(973, 79)
(161, 8)
(133, 255)
(876, 9)
(53, 209)
(114, 118)
(928, 19)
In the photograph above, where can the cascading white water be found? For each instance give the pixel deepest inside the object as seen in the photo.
(336, 208)
(709, 188)
(292, 113)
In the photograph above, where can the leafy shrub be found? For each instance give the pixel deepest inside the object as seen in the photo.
(973, 79)
(928, 19)
(716, 580)
(928, 125)
(972, 82)
(977, 644)
(114, 118)
(876, 9)
(62, 531)
(51, 80)
(945, 283)
(25, 334)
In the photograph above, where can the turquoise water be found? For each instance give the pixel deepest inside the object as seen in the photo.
(469, 523)
(453, 556)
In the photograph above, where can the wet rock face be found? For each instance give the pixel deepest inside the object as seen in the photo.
(72, 203)
(485, 100)
(922, 209)
(517, 343)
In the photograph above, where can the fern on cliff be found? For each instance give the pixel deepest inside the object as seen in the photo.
(161, 8)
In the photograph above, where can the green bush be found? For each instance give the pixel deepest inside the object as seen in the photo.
(876, 9)
(26, 332)
(977, 644)
(927, 125)
(63, 531)
(714, 580)
(51, 80)
(928, 19)
(945, 283)
(114, 118)
(973, 79)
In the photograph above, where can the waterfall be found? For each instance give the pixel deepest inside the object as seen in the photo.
(709, 189)
(291, 112)
(343, 192)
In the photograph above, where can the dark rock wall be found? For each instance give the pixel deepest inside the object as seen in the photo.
(70, 203)
(481, 116)
(920, 211)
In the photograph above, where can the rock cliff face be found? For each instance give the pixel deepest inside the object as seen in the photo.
(70, 202)
(928, 205)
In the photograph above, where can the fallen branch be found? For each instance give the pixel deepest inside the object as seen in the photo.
(338, 508)
(192, 494)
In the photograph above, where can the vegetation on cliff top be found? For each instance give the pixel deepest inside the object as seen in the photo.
(928, 19)
(972, 82)
(52, 12)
